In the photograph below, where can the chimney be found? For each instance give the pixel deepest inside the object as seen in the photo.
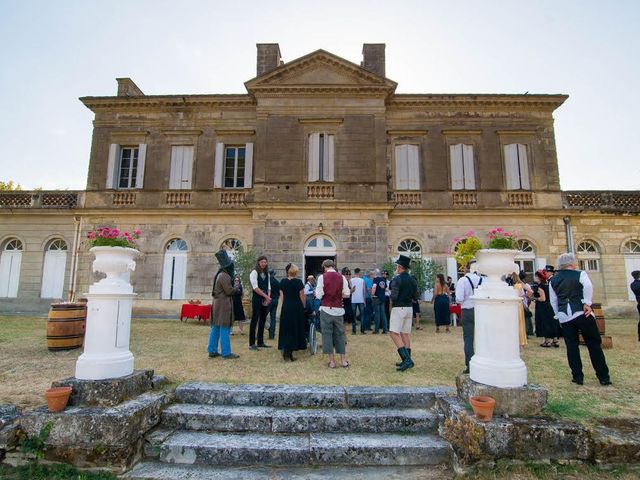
(126, 88)
(269, 57)
(373, 58)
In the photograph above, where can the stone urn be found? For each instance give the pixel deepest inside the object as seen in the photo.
(497, 359)
(106, 344)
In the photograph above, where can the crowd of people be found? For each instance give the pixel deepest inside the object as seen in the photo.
(560, 300)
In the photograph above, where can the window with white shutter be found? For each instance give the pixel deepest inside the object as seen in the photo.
(407, 159)
(181, 167)
(462, 167)
(321, 157)
(233, 166)
(516, 167)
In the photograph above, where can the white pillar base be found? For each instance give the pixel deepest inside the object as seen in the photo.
(498, 373)
(102, 366)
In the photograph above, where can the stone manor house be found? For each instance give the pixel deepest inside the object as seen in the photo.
(319, 158)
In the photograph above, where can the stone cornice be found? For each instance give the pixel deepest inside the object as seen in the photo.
(515, 132)
(320, 120)
(235, 131)
(457, 101)
(169, 101)
(461, 132)
(407, 133)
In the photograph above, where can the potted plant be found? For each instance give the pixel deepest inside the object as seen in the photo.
(57, 398)
(482, 407)
(115, 253)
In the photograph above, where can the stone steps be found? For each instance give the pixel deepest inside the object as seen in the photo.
(225, 418)
(163, 471)
(309, 396)
(237, 449)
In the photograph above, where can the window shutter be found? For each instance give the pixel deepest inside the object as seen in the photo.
(328, 164)
(524, 167)
(218, 166)
(402, 167)
(511, 166)
(187, 167)
(180, 276)
(413, 167)
(142, 154)
(248, 165)
(469, 170)
(165, 291)
(457, 172)
(314, 157)
(452, 268)
(112, 164)
(175, 173)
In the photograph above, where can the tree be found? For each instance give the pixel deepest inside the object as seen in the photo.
(245, 261)
(425, 271)
(9, 186)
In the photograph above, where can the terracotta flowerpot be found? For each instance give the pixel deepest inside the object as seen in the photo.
(482, 407)
(57, 398)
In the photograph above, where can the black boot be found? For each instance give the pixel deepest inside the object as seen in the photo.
(406, 360)
(285, 355)
(400, 363)
(291, 356)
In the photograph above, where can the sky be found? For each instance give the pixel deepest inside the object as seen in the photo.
(51, 53)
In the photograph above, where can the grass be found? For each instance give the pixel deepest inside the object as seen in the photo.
(36, 471)
(545, 471)
(178, 350)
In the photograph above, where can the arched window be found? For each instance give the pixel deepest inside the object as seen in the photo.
(317, 249)
(231, 245)
(410, 248)
(631, 251)
(526, 258)
(588, 256)
(10, 261)
(53, 269)
(174, 272)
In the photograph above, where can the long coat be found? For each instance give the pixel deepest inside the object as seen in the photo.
(222, 310)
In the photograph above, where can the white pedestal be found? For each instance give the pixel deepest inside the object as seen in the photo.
(106, 342)
(497, 359)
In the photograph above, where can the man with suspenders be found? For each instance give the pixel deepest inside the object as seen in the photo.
(465, 288)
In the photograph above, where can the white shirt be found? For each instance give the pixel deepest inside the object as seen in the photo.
(346, 291)
(587, 295)
(253, 279)
(358, 294)
(308, 288)
(464, 290)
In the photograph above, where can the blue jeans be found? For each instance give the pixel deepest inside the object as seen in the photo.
(355, 307)
(368, 313)
(272, 314)
(219, 334)
(379, 315)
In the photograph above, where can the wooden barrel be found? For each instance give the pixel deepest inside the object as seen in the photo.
(597, 311)
(65, 326)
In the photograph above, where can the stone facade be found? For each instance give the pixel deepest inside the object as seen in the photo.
(361, 211)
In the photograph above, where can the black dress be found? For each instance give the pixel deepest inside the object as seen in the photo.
(348, 307)
(549, 326)
(292, 333)
(441, 310)
(238, 309)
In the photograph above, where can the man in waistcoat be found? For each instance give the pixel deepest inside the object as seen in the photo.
(404, 290)
(260, 302)
(571, 292)
(331, 288)
(464, 290)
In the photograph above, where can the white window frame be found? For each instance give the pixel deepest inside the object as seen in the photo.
(54, 269)
(588, 255)
(463, 175)
(516, 165)
(219, 170)
(114, 167)
(321, 158)
(174, 270)
(526, 257)
(10, 268)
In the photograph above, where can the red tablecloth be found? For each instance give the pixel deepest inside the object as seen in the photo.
(201, 312)
(455, 308)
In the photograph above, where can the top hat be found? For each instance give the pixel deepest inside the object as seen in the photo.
(404, 262)
(549, 268)
(223, 258)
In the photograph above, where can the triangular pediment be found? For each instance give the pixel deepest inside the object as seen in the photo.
(320, 70)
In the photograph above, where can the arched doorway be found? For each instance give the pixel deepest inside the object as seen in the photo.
(55, 263)
(631, 252)
(174, 272)
(316, 250)
(10, 261)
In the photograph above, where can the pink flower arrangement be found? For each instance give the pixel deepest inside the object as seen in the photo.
(465, 248)
(112, 237)
(499, 238)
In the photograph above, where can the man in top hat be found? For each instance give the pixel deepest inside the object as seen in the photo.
(222, 308)
(549, 271)
(404, 290)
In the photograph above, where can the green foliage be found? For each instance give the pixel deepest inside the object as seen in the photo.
(570, 408)
(502, 240)
(425, 272)
(35, 446)
(245, 261)
(9, 186)
(466, 249)
(390, 267)
(61, 471)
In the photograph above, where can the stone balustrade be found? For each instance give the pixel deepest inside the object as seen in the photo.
(39, 199)
(605, 201)
(320, 192)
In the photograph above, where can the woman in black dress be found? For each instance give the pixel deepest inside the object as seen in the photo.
(544, 316)
(292, 334)
(441, 303)
(346, 302)
(238, 309)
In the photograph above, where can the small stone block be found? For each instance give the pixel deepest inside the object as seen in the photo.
(617, 440)
(159, 380)
(526, 401)
(107, 392)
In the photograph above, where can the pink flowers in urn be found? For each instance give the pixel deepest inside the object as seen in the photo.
(112, 237)
(499, 238)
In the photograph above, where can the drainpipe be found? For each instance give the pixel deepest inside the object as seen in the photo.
(569, 234)
(74, 259)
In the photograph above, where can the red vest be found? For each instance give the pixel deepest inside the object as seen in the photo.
(332, 286)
